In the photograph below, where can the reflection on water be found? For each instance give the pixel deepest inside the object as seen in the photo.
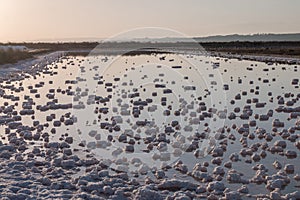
(150, 110)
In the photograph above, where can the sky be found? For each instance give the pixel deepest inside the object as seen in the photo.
(42, 20)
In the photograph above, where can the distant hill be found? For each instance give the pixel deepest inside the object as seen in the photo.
(228, 38)
(266, 37)
(250, 38)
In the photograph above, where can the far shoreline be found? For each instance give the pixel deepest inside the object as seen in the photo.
(269, 52)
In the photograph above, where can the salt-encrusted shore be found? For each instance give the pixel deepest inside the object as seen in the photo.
(42, 156)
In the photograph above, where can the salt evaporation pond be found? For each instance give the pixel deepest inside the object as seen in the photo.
(196, 117)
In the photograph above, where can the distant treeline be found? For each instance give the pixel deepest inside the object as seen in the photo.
(208, 45)
(57, 46)
(257, 48)
(239, 44)
(239, 47)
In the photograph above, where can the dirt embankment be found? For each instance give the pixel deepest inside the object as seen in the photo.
(286, 49)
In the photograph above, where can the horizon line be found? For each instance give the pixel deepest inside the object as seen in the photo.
(100, 39)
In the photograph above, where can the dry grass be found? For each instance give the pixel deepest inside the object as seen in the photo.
(13, 56)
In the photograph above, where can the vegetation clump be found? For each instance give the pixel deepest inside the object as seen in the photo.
(12, 56)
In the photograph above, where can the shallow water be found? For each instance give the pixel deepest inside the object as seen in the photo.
(141, 73)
